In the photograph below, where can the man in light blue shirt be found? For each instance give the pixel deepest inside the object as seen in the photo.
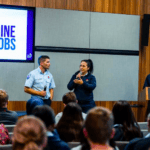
(40, 84)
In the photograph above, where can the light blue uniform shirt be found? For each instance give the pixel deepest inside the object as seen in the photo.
(37, 80)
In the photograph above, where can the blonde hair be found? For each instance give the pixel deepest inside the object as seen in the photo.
(29, 134)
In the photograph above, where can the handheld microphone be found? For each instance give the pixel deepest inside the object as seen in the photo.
(80, 75)
(45, 88)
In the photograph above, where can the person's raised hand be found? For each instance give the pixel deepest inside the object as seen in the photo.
(78, 81)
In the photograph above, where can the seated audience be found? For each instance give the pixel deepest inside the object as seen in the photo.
(126, 127)
(7, 117)
(46, 114)
(29, 134)
(140, 143)
(70, 124)
(98, 130)
(67, 98)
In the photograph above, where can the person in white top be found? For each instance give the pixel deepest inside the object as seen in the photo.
(67, 98)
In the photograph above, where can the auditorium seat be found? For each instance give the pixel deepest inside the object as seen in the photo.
(10, 134)
(121, 144)
(143, 125)
(73, 144)
(10, 127)
(144, 131)
(6, 147)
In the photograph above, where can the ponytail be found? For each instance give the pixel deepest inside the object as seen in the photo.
(31, 146)
(89, 64)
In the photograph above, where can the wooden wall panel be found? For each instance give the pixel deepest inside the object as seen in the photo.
(58, 107)
(83, 5)
(17, 105)
(132, 7)
(30, 3)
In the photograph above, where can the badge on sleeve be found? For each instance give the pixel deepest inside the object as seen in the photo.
(28, 76)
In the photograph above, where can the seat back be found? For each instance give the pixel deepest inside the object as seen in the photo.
(145, 132)
(143, 125)
(73, 144)
(10, 127)
(6, 147)
(121, 144)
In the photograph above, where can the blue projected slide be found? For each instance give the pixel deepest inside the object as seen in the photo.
(16, 34)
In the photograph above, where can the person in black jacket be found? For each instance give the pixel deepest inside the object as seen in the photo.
(126, 127)
(7, 117)
(83, 83)
(147, 84)
(140, 143)
(46, 114)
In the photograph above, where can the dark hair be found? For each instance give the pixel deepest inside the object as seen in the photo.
(29, 133)
(99, 124)
(45, 113)
(89, 64)
(70, 124)
(69, 97)
(3, 98)
(42, 58)
(123, 115)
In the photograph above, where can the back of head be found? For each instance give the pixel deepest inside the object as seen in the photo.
(99, 123)
(70, 124)
(3, 98)
(42, 58)
(122, 113)
(69, 97)
(89, 64)
(73, 112)
(45, 113)
(29, 134)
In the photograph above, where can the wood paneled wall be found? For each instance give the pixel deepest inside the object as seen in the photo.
(133, 7)
(58, 107)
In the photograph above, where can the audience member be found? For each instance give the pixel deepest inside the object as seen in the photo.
(98, 129)
(84, 144)
(46, 114)
(29, 134)
(148, 125)
(7, 117)
(126, 127)
(140, 143)
(4, 135)
(67, 98)
(70, 124)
